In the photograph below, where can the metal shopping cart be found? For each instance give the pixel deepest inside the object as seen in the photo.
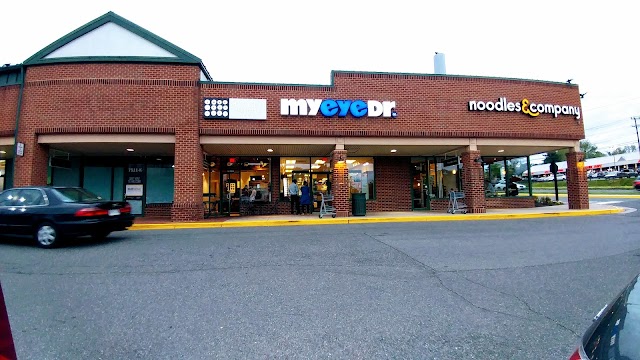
(456, 203)
(326, 206)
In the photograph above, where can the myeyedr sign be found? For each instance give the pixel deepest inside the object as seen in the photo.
(330, 108)
(525, 106)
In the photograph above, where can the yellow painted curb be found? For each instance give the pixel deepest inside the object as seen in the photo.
(364, 220)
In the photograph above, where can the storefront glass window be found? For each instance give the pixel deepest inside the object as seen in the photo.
(447, 178)
(159, 184)
(297, 168)
(3, 171)
(506, 176)
(361, 176)
(320, 164)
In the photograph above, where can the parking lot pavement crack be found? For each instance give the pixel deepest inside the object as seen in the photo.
(436, 274)
(526, 304)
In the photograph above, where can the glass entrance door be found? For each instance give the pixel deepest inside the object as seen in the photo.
(230, 188)
(321, 184)
(420, 184)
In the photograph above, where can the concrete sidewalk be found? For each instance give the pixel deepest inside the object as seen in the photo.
(375, 217)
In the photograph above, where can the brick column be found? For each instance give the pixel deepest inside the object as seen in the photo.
(473, 182)
(187, 178)
(31, 169)
(340, 183)
(577, 184)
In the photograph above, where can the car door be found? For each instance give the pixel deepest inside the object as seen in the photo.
(26, 211)
(8, 200)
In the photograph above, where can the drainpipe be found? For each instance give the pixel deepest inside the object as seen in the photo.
(15, 131)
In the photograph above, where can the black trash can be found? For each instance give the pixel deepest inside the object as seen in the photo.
(358, 204)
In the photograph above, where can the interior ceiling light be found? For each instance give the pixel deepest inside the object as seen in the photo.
(351, 161)
(269, 150)
(393, 150)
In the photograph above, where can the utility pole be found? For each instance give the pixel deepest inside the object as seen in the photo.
(635, 122)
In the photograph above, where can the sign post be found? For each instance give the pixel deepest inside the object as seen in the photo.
(553, 167)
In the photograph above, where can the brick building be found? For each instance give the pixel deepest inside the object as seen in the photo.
(138, 118)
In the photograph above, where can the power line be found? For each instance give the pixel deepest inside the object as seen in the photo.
(599, 126)
(611, 104)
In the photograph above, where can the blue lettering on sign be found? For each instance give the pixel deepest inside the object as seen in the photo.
(341, 107)
(344, 107)
(359, 108)
(329, 107)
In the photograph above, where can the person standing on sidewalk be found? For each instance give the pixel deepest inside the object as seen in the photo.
(305, 199)
(295, 198)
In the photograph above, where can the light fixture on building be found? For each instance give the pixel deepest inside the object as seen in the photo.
(393, 150)
(130, 150)
(501, 150)
(2, 152)
(269, 150)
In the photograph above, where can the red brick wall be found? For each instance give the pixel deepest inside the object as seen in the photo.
(8, 107)
(473, 182)
(393, 184)
(158, 210)
(340, 183)
(433, 106)
(510, 202)
(577, 183)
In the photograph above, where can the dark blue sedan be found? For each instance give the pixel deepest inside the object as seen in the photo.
(49, 213)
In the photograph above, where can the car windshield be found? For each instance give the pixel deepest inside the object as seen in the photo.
(76, 195)
(618, 333)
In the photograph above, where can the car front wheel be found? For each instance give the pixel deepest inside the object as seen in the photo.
(46, 235)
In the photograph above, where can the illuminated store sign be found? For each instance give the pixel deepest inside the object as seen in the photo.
(525, 106)
(330, 108)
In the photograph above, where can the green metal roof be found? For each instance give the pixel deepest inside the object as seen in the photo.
(182, 56)
(10, 75)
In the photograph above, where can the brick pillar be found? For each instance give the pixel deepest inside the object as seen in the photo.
(340, 183)
(473, 182)
(31, 169)
(577, 184)
(187, 178)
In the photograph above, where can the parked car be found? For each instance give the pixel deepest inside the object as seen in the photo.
(627, 173)
(614, 333)
(49, 214)
(561, 177)
(7, 349)
(501, 185)
(612, 175)
(636, 184)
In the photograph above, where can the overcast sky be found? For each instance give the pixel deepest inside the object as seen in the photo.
(300, 42)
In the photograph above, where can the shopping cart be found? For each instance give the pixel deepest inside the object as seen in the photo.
(326, 206)
(456, 203)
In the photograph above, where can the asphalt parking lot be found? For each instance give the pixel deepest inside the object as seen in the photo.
(506, 289)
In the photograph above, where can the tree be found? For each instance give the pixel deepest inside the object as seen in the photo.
(590, 150)
(555, 156)
(623, 150)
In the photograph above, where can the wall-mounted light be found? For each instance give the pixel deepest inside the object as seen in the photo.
(393, 150)
(269, 150)
(501, 150)
(130, 150)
